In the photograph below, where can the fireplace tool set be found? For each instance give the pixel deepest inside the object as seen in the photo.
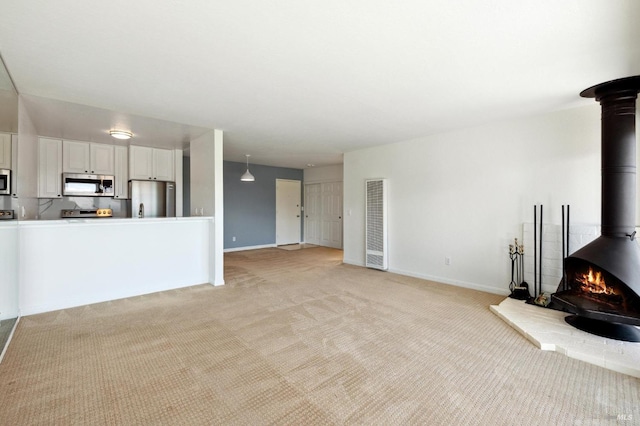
(516, 254)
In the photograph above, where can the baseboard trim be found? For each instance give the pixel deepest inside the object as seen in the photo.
(228, 250)
(443, 280)
(457, 283)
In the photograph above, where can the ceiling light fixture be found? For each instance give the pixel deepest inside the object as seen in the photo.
(120, 134)
(247, 176)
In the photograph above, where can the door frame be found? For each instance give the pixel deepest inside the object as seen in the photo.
(279, 215)
(318, 219)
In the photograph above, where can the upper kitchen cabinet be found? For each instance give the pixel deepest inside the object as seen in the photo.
(87, 157)
(140, 162)
(102, 159)
(121, 173)
(150, 163)
(163, 164)
(49, 168)
(5, 151)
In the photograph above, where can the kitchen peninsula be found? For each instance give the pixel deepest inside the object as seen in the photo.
(67, 263)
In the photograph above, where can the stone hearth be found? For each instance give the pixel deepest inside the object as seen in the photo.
(547, 329)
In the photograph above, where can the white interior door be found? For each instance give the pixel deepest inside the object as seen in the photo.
(287, 211)
(312, 213)
(331, 222)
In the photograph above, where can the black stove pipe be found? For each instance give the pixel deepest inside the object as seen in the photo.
(616, 250)
(618, 162)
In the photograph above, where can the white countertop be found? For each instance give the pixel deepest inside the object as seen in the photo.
(109, 221)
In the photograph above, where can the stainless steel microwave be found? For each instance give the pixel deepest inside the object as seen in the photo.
(84, 185)
(5, 182)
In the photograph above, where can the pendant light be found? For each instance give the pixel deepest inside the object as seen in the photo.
(247, 176)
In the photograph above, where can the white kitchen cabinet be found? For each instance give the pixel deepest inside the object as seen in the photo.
(49, 168)
(163, 164)
(75, 157)
(121, 165)
(140, 162)
(150, 163)
(87, 157)
(5, 151)
(102, 159)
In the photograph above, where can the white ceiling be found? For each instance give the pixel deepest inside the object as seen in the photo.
(293, 82)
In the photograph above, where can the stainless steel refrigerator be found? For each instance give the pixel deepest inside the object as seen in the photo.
(152, 198)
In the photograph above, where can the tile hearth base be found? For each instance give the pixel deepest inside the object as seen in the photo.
(547, 329)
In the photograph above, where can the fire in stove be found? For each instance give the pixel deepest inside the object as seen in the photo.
(593, 284)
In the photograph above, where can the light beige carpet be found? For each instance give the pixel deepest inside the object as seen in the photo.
(295, 337)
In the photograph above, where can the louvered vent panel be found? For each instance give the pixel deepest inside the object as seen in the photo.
(376, 224)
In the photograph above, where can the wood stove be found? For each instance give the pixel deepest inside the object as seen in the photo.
(601, 286)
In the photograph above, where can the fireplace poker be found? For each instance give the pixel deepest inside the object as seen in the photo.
(535, 250)
(512, 284)
(524, 286)
(568, 221)
(540, 262)
(518, 291)
(564, 274)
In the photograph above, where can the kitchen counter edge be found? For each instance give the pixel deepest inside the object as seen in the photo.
(109, 221)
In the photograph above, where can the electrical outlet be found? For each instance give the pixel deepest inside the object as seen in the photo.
(447, 260)
(233, 238)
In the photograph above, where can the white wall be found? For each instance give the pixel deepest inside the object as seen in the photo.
(202, 175)
(466, 194)
(27, 170)
(217, 230)
(207, 193)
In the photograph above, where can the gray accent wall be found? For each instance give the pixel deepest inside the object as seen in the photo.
(250, 207)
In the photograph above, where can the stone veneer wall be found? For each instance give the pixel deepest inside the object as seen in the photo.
(579, 236)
